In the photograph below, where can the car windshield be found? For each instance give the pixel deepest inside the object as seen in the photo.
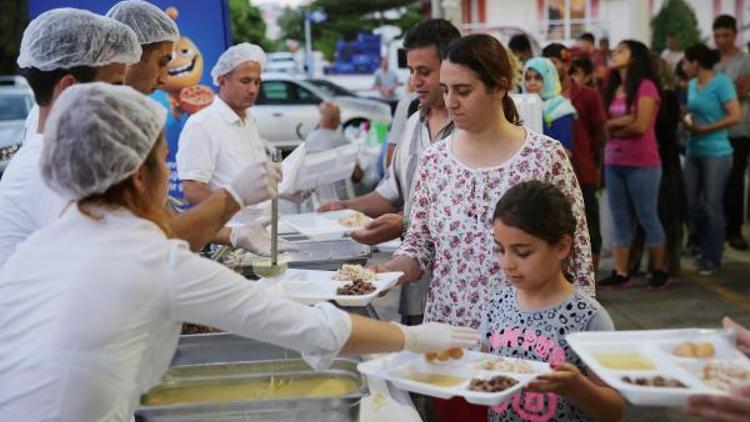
(14, 106)
(331, 88)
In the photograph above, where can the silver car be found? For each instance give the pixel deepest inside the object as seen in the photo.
(287, 108)
(15, 104)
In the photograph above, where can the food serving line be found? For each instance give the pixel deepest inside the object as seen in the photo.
(259, 381)
(223, 377)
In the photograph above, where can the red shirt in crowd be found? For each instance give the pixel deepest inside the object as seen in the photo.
(590, 119)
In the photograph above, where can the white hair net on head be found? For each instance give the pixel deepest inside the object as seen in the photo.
(65, 38)
(149, 23)
(236, 55)
(96, 136)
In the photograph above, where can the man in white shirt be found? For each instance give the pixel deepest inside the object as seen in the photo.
(390, 203)
(50, 66)
(26, 203)
(220, 140)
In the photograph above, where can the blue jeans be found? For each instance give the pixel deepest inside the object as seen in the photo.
(634, 190)
(705, 182)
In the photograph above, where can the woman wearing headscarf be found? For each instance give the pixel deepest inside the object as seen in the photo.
(540, 77)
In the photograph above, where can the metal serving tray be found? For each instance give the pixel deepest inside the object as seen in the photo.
(194, 349)
(326, 409)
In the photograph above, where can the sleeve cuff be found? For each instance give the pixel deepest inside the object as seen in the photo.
(340, 325)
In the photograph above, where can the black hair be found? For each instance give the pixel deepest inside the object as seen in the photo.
(43, 82)
(588, 36)
(489, 60)
(432, 32)
(706, 57)
(539, 209)
(726, 22)
(679, 71)
(641, 67)
(520, 42)
(557, 51)
(582, 63)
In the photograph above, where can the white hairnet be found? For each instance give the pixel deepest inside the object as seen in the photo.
(149, 23)
(236, 55)
(96, 136)
(65, 38)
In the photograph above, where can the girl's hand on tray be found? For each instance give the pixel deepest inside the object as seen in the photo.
(563, 380)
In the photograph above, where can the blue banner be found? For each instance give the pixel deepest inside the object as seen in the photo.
(206, 32)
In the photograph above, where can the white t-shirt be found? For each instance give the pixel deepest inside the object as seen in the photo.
(32, 123)
(85, 331)
(26, 202)
(215, 145)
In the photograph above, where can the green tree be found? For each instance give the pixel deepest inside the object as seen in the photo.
(346, 19)
(248, 24)
(677, 18)
(13, 21)
(292, 24)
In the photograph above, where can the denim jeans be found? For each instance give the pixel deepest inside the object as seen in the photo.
(634, 191)
(705, 182)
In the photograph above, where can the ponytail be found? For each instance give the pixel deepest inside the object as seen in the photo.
(510, 110)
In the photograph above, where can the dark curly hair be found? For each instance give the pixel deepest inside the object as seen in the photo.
(438, 32)
(539, 209)
(641, 67)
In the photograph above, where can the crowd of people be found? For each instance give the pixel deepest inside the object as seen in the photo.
(652, 131)
(500, 227)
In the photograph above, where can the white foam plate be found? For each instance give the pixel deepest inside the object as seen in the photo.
(396, 367)
(656, 346)
(312, 286)
(319, 226)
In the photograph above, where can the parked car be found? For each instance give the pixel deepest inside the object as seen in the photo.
(282, 61)
(287, 108)
(16, 102)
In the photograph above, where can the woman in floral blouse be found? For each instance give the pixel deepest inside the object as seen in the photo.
(460, 179)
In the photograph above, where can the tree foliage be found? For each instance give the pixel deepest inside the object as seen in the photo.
(677, 18)
(346, 19)
(248, 24)
(13, 21)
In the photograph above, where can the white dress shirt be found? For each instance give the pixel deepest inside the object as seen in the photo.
(26, 203)
(216, 144)
(85, 331)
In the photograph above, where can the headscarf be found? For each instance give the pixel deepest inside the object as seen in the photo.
(555, 104)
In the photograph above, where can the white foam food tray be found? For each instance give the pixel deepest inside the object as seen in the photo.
(397, 368)
(657, 348)
(309, 287)
(320, 226)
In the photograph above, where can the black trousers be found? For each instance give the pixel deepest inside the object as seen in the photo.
(734, 197)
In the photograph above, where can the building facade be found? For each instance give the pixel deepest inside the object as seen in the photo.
(565, 20)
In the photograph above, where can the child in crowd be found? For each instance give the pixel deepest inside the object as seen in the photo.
(534, 228)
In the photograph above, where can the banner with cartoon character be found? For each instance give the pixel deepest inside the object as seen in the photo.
(206, 33)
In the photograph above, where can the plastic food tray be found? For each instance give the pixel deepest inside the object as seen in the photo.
(656, 347)
(319, 226)
(396, 368)
(311, 286)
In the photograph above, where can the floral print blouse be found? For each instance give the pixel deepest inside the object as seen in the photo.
(450, 229)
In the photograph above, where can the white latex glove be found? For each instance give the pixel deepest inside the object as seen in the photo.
(256, 183)
(255, 239)
(435, 336)
(297, 197)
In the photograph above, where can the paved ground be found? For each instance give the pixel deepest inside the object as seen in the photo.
(690, 301)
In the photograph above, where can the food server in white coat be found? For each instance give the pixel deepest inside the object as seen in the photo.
(85, 334)
(65, 46)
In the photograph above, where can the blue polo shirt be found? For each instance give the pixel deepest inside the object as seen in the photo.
(707, 106)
